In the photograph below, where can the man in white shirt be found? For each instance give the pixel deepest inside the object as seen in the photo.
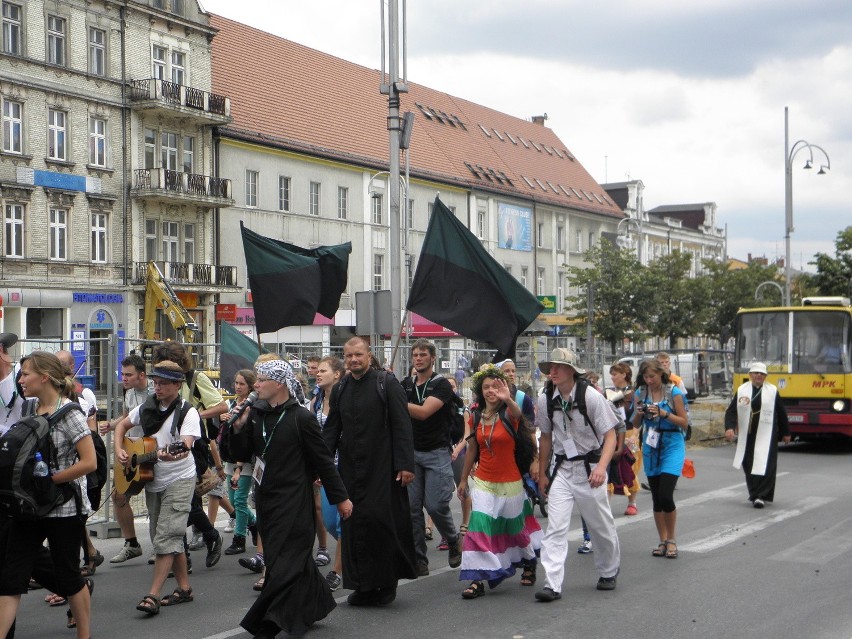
(169, 419)
(12, 402)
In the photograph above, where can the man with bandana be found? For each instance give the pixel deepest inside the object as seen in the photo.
(289, 449)
(368, 423)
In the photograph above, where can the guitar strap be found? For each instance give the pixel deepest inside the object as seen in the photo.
(177, 419)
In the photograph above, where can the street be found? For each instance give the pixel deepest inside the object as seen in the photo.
(780, 572)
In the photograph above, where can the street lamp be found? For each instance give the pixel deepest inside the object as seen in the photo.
(789, 154)
(623, 241)
(768, 283)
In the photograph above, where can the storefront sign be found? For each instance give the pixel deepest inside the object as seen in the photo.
(98, 298)
(226, 313)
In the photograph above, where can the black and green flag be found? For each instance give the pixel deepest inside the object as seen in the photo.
(237, 352)
(289, 284)
(458, 285)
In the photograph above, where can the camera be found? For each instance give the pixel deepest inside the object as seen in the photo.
(645, 408)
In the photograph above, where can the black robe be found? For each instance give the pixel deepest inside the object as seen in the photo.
(375, 443)
(295, 593)
(760, 486)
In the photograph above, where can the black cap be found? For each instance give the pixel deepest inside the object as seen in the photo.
(8, 340)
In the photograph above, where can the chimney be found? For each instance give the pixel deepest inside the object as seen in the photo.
(539, 119)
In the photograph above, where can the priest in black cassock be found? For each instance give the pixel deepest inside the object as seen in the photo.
(285, 438)
(757, 415)
(368, 423)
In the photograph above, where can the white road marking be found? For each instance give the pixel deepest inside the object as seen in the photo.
(730, 533)
(821, 548)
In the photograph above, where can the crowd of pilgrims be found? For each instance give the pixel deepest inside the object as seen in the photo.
(350, 452)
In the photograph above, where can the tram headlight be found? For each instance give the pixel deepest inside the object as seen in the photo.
(838, 405)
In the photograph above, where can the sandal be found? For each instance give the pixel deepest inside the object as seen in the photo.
(462, 530)
(258, 585)
(89, 569)
(150, 604)
(428, 533)
(54, 600)
(71, 623)
(474, 590)
(660, 550)
(671, 553)
(528, 576)
(177, 597)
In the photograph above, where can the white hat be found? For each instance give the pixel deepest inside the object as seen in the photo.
(758, 367)
(561, 356)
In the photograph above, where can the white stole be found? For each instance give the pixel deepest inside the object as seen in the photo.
(763, 440)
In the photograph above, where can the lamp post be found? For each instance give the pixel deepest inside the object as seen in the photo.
(623, 241)
(789, 154)
(768, 283)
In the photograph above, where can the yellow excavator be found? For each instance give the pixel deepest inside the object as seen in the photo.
(159, 292)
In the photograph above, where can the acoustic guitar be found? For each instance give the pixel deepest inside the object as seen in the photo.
(131, 479)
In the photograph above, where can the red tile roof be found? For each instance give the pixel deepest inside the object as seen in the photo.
(291, 96)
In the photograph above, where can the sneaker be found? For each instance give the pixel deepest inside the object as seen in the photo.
(232, 523)
(455, 555)
(443, 545)
(333, 580)
(758, 503)
(152, 559)
(607, 583)
(255, 564)
(214, 552)
(127, 552)
(586, 547)
(197, 542)
(322, 558)
(547, 595)
(237, 547)
(631, 510)
(422, 568)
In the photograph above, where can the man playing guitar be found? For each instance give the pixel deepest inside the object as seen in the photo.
(168, 419)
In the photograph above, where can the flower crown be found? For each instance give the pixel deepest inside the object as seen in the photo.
(486, 370)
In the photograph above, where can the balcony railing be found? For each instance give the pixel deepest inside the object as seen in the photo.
(180, 96)
(188, 274)
(179, 183)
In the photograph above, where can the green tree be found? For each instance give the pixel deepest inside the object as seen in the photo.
(679, 304)
(615, 276)
(733, 289)
(834, 274)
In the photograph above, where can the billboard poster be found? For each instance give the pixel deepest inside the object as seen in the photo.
(514, 227)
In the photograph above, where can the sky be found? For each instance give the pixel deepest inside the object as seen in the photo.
(688, 97)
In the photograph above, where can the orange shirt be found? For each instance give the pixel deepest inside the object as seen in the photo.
(496, 452)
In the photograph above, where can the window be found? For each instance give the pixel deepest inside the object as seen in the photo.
(58, 234)
(560, 238)
(409, 221)
(177, 7)
(99, 237)
(378, 271)
(283, 193)
(178, 67)
(591, 239)
(540, 282)
(158, 58)
(97, 142)
(579, 241)
(251, 187)
(315, 198)
(97, 51)
(168, 150)
(508, 268)
(524, 273)
(560, 293)
(480, 223)
(188, 153)
(377, 208)
(539, 236)
(342, 202)
(56, 40)
(11, 28)
(56, 135)
(14, 230)
(170, 242)
(189, 243)
(150, 148)
(150, 240)
(12, 127)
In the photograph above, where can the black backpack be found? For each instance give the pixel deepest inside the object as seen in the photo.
(455, 409)
(525, 448)
(23, 496)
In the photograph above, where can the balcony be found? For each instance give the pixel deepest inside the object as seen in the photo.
(178, 187)
(187, 274)
(177, 99)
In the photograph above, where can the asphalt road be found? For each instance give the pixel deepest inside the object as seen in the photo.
(781, 572)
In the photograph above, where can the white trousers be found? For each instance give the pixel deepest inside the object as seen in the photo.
(570, 485)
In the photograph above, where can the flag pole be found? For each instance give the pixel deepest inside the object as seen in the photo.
(399, 339)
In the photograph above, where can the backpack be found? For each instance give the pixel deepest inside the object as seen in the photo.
(456, 411)
(97, 479)
(669, 399)
(525, 448)
(23, 496)
(582, 385)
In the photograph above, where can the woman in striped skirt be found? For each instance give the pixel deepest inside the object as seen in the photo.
(503, 534)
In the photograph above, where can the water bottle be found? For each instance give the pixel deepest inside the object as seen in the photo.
(40, 468)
